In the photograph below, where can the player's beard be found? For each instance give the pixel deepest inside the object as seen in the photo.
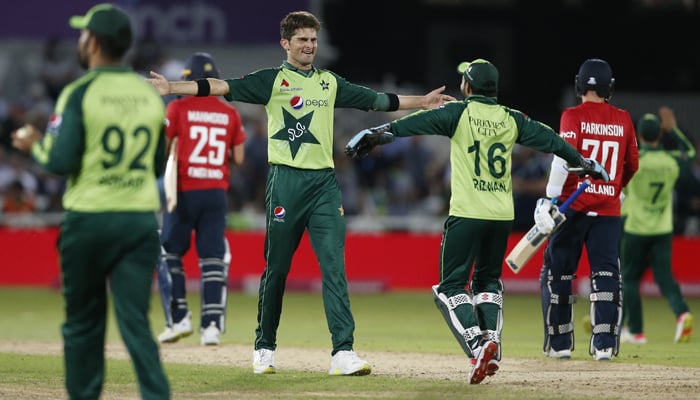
(83, 58)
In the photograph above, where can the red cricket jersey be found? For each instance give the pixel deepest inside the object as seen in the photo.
(606, 134)
(207, 129)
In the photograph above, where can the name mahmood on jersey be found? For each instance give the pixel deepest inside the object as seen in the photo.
(296, 131)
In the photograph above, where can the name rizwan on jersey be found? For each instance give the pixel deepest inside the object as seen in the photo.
(489, 186)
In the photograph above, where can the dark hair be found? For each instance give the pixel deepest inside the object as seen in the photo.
(484, 92)
(112, 48)
(298, 20)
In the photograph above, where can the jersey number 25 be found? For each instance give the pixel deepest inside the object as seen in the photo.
(210, 147)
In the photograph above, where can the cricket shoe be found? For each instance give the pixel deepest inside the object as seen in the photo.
(560, 354)
(263, 361)
(346, 362)
(485, 363)
(210, 335)
(684, 327)
(603, 354)
(181, 329)
(632, 338)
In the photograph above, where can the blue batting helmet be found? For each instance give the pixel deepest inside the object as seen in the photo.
(595, 74)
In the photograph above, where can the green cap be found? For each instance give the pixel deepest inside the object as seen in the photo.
(105, 20)
(649, 127)
(480, 74)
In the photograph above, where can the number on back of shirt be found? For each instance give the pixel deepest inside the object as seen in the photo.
(609, 153)
(210, 145)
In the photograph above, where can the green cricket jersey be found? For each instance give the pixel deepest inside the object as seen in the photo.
(482, 134)
(300, 107)
(648, 205)
(106, 136)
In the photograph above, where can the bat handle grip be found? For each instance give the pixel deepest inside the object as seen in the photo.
(574, 195)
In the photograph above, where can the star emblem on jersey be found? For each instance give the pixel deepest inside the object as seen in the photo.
(296, 131)
(324, 85)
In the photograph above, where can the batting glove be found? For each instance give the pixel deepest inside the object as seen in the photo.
(543, 215)
(591, 168)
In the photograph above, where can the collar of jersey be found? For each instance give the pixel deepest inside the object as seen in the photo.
(111, 68)
(289, 66)
(648, 147)
(482, 99)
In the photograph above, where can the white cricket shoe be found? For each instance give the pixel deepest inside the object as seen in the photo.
(210, 335)
(632, 338)
(181, 329)
(561, 354)
(346, 362)
(263, 361)
(603, 354)
(485, 363)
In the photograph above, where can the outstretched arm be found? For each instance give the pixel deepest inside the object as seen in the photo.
(217, 87)
(431, 100)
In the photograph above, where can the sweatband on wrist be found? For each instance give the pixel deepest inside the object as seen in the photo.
(393, 102)
(203, 87)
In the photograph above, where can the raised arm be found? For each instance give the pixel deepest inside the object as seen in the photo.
(686, 150)
(431, 100)
(201, 87)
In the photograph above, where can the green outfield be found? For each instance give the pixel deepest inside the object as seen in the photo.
(395, 322)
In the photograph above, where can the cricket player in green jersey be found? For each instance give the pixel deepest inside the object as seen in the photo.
(648, 224)
(106, 137)
(302, 193)
(482, 135)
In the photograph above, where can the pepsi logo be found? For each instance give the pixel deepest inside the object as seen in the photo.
(296, 102)
(55, 121)
(280, 212)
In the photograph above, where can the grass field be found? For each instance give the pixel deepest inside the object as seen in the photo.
(393, 323)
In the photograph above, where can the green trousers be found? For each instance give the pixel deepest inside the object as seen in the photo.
(471, 254)
(637, 254)
(299, 200)
(119, 250)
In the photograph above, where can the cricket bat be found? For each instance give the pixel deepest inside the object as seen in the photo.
(170, 178)
(533, 239)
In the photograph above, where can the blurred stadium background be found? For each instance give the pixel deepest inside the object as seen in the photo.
(409, 47)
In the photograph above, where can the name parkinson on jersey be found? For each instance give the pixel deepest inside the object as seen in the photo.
(596, 129)
(602, 129)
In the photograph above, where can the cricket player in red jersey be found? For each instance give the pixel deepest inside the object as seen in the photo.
(210, 136)
(606, 134)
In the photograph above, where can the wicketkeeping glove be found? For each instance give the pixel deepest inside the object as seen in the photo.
(592, 168)
(364, 141)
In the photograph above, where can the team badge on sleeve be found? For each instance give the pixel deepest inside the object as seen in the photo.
(54, 124)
